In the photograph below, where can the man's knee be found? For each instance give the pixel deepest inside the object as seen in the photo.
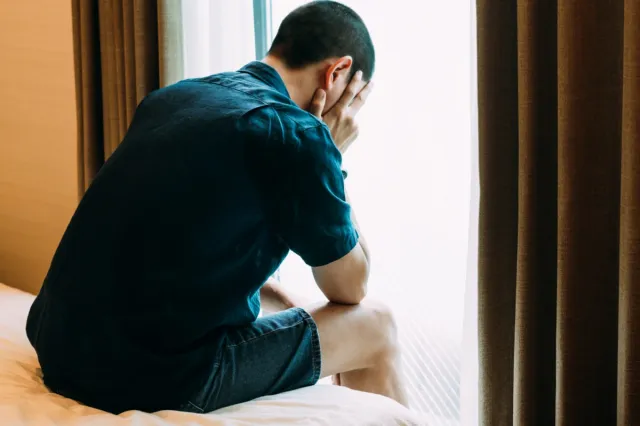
(384, 327)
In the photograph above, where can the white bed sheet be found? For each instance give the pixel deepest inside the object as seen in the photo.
(24, 400)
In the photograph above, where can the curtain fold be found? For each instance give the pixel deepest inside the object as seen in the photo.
(124, 49)
(559, 237)
(629, 272)
(88, 91)
(171, 42)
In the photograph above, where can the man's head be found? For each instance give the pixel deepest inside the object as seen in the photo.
(322, 43)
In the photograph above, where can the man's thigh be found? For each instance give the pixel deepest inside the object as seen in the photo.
(275, 354)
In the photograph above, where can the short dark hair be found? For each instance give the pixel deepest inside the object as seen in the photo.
(324, 29)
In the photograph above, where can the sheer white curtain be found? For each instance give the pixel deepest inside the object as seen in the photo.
(412, 177)
(469, 398)
(218, 36)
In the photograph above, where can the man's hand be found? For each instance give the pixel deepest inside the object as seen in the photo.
(341, 117)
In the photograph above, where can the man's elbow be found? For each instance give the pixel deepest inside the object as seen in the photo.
(355, 290)
(355, 297)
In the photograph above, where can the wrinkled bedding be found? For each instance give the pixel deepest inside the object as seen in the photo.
(24, 400)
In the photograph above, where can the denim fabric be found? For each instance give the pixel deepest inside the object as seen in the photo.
(276, 353)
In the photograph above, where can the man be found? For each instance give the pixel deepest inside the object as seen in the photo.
(153, 295)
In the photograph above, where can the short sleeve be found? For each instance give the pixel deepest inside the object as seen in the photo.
(296, 171)
(319, 227)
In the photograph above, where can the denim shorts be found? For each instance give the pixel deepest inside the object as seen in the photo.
(274, 354)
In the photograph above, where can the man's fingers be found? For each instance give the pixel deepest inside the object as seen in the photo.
(354, 87)
(361, 98)
(317, 103)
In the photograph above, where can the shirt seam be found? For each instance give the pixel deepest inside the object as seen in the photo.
(273, 107)
(256, 75)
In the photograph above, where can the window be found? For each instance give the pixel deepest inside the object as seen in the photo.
(412, 175)
(410, 184)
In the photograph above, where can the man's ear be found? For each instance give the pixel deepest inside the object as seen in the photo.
(340, 68)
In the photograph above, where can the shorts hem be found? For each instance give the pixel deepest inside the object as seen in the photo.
(316, 353)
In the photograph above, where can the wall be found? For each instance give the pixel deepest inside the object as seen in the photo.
(38, 145)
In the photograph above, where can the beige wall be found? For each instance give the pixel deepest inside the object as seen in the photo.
(38, 145)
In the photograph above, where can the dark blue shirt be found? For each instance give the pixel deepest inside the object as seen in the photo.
(215, 181)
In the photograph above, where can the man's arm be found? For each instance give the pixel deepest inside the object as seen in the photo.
(345, 280)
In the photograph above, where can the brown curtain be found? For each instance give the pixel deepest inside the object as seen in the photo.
(559, 237)
(124, 49)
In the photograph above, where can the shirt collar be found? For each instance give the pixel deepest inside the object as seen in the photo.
(267, 74)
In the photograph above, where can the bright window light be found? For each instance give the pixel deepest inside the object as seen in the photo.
(410, 185)
(411, 178)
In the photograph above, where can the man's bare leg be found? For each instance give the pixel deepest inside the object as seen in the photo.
(360, 344)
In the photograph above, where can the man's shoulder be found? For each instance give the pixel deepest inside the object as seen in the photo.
(296, 118)
(267, 102)
(289, 127)
(240, 95)
(200, 101)
(289, 119)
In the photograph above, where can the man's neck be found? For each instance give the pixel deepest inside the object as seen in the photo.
(298, 82)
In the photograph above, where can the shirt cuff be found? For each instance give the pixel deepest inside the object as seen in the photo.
(336, 252)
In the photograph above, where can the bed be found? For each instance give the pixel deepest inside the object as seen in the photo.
(24, 400)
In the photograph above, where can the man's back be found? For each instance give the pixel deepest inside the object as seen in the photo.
(172, 241)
